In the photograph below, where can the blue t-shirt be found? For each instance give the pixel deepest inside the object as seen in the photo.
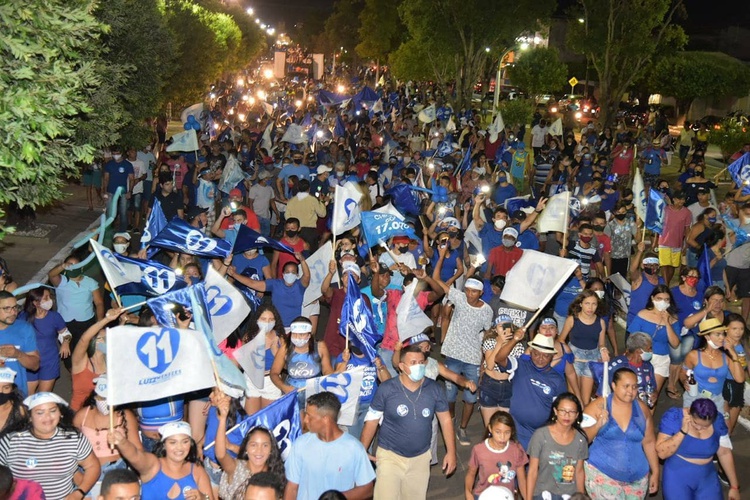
(118, 174)
(527, 240)
(286, 299)
(652, 157)
(686, 305)
(379, 309)
(241, 263)
(657, 332)
(23, 336)
(565, 296)
(534, 390)
(502, 193)
(400, 431)
(318, 466)
(370, 378)
(47, 329)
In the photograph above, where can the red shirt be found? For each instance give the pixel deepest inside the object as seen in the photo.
(622, 160)
(501, 260)
(285, 258)
(252, 220)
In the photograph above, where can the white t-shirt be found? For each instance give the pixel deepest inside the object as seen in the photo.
(537, 136)
(139, 168)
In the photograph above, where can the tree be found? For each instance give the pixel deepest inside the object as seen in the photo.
(411, 61)
(539, 70)
(380, 30)
(687, 76)
(731, 136)
(463, 30)
(342, 27)
(517, 112)
(621, 39)
(50, 58)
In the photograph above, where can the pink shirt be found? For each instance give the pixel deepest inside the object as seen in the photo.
(497, 467)
(676, 223)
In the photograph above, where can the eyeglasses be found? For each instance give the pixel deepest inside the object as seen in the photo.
(568, 412)
(10, 309)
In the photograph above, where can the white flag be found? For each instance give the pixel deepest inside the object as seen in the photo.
(318, 264)
(294, 134)
(556, 128)
(411, 319)
(378, 106)
(471, 235)
(116, 272)
(195, 111)
(389, 209)
(496, 127)
(428, 114)
(451, 125)
(231, 175)
(184, 141)
(252, 359)
(149, 363)
(226, 305)
(265, 141)
(345, 386)
(639, 195)
(556, 214)
(346, 213)
(535, 279)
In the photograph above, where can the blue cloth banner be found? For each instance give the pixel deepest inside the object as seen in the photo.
(163, 306)
(340, 129)
(740, 235)
(655, 211)
(156, 279)
(155, 223)
(357, 318)
(247, 239)
(465, 164)
(404, 199)
(179, 236)
(740, 172)
(445, 147)
(379, 227)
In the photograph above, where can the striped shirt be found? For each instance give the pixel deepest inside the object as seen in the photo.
(542, 166)
(49, 462)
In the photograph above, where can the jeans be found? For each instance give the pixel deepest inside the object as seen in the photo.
(265, 227)
(469, 371)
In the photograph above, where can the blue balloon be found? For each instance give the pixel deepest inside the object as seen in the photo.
(197, 126)
(440, 195)
(190, 118)
(187, 126)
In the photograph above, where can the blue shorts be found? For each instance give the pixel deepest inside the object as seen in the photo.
(495, 393)
(582, 358)
(469, 371)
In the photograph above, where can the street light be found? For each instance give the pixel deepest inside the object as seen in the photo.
(250, 11)
(496, 99)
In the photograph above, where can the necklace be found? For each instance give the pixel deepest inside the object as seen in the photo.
(413, 403)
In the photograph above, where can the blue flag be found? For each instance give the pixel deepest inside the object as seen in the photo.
(231, 380)
(445, 147)
(155, 223)
(155, 278)
(280, 417)
(163, 306)
(465, 164)
(179, 236)
(247, 239)
(740, 172)
(740, 235)
(339, 130)
(655, 212)
(704, 267)
(251, 296)
(379, 227)
(357, 318)
(517, 203)
(404, 199)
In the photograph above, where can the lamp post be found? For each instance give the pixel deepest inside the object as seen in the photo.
(496, 100)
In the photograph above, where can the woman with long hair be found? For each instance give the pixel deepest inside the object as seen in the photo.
(557, 451)
(265, 321)
(737, 339)
(258, 452)
(12, 410)
(495, 387)
(687, 300)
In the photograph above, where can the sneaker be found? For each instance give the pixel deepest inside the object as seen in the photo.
(463, 439)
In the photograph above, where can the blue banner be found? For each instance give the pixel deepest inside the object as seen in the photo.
(155, 278)
(379, 227)
(251, 296)
(655, 211)
(179, 236)
(465, 164)
(404, 199)
(339, 130)
(740, 235)
(155, 223)
(281, 417)
(357, 318)
(445, 147)
(740, 172)
(247, 239)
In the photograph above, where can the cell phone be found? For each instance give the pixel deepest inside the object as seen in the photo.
(233, 206)
(180, 312)
(509, 325)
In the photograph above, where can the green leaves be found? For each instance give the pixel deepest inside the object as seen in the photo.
(539, 70)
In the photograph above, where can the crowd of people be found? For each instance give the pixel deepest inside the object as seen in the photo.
(566, 398)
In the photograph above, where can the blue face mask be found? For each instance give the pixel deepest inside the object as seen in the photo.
(712, 220)
(416, 372)
(102, 347)
(646, 355)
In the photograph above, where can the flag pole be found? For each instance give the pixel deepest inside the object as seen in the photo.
(347, 335)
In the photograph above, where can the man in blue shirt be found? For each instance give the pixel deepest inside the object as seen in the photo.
(18, 349)
(651, 159)
(297, 169)
(118, 172)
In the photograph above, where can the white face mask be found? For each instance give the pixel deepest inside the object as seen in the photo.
(500, 224)
(599, 293)
(101, 405)
(713, 345)
(46, 304)
(661, 305)
(265, 326)
(121, 248)
(290, 278)
(117, 157)
(300, 342)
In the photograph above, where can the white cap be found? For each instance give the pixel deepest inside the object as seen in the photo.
(121, 235)
(264, 174)
(7, 376)
(474, 283)
(41, 398)
(350, 266)
(175, 428)
(101, 385)
(322, 169)
(509, 231)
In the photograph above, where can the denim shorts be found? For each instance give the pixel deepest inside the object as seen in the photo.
(494, 393)
(469, 371)
(213, 471)
(582, 358)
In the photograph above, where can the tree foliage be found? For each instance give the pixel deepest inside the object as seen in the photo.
(462, 30)
(411, 61)
(687, 76)
(517, 112)
(51, 57)
(730, 136)
(380, 31)
(621, 39)
(342, 27)
(539, 70)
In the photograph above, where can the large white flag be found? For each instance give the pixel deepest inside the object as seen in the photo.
(184, 141)
(118, 273)
(535, 279)
(149, 363)
(411, 319)
(345, 386)
(639, 195)
(294, 134)
(346, 213)
(265, 141)
(556, 214)
(252, 359)
(226, 305)
(496, 126)
(428, 114)
(556, 128)
(318, 264)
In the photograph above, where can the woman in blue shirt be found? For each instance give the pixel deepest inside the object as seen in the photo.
(659, 320)
(688, 300)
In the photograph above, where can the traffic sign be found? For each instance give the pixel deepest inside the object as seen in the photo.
(573, 81)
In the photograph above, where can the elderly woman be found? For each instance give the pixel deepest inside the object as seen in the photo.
(637, 357)
(687, 441)
(49, 450)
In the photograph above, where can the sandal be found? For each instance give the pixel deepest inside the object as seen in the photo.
(672, 393)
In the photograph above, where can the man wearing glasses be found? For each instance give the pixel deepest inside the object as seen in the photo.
(18, 349)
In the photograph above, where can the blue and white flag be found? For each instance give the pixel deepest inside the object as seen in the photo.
(740, 235)
(339, 130)
(443, 113)
(318, 263)
(179, 236)
(129, 276)
(155, 223)
(294, 134)
(346, 386)
(346, 213)
(556, 214)
(655, 212)
(535, 279)
(465, 164)
(231, 381)
(149, 363)
(163, 306)
(252, 358)
(357, 318)
(248, 238)
(404, 199)
(739, 169)
(226, 305)
(379, 228)
(411, 319)
(428, 114)
(280, 417)
(639, 195)
(445, 147)
(517, 203)
(184, 141)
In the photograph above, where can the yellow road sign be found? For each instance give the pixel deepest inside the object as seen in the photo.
(573, 81)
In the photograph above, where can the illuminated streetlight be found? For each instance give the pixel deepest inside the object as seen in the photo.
(250, 11)
(268, 73)
(271, 31)
(262, 26)
(524, 45)
(257, 21)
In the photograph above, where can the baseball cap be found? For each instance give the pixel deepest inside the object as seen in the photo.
(416, 339)
(235, 193)
(195, 211)
(323, 169)
(509, 231)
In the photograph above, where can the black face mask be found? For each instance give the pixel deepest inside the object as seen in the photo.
(4, 398)
(292, 234)
(620, 216)
(651, 270)
(598, 228)
(297, 161)
(403, 249)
